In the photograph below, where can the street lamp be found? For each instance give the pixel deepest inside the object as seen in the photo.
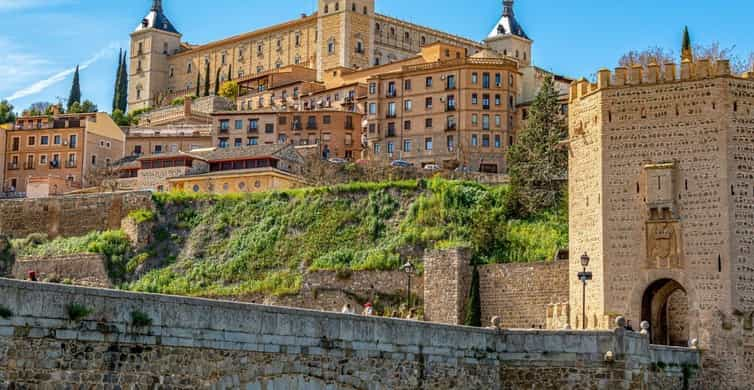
(584, 277)
(409, 269)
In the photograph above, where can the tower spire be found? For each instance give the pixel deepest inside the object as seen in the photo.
(508, 8)
(157, 5)
(686, 50)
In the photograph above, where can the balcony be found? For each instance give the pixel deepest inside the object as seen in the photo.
(451, 86)
(223, 130)
(29, 166)
(253, 130)
(391, 94)
(450, 108)
(390, 115)
(451, 127)
(12, 166)
(72, 145)
(391, 133)
(297, 126)
(54, 164)
(311, 126)
(70, 164)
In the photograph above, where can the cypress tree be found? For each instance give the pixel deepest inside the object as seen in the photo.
(123, 101)
(474, 304)
(217, 82)
(198, 82)
(230, 72)
(537, 166)
(116, 90)
(686, 50)
(206, 79)
(75, 95)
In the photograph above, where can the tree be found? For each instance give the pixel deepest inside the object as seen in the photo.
(83, 108)
(116, 89)
(121, 119)
(75, 95)
(230, 72)
(651, 55)
(217, 82)
(229, 90)
(206, 79)
(686, 51)
(6, 112)
(537, 165)
(473, 304)
(123, 88)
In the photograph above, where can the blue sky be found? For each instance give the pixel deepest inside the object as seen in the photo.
(42, 40)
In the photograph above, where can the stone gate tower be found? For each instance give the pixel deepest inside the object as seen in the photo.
(662, 201)
(345, 38)
(153, 41)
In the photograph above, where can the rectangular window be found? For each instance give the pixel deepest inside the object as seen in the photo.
(372, 88)
(406, 125)
(498, 143)
(428, 144)
(253, 124)
(391, 113)
(474, 98)
(326, 119)
(32, 140)
(485, 122)
(372, 108)
(269, 128)
(474, 119)
(224, 124)
(485, 80)
(407, 85)
(428, 82)
(44, 140)
(283, 120)
(474, 140)
(428, 103)
(237, 142)
(451, 82)
(451, 123)
(428, 123)
(407, 105)
(72, 140)
(406, 145)
(376, 148)
(497, 100)
(57, 140)
(450, 142)
(485, 102)
(253, 141)
(451, 103)
(390, 148)
(391, 129)
(474, 78)
(498, 79)
(486, 140)
(391, 92)
(498, 121)
(239, 124)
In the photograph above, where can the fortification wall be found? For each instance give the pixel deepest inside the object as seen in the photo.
(85, 269)
(69, 215)
(520, 294)
(200, 344)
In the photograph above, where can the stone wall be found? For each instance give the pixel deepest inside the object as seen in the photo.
(200, 344)
(82, 269)
(523, 295)
(520, 293)
(69, 215)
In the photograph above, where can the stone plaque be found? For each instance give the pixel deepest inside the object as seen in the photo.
(664, 245)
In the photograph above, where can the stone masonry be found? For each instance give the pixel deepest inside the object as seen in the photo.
(661, 200)
(199, 344)
(69, 215)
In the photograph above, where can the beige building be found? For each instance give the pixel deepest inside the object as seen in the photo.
(67, 146)
(661, 200)
(444, 108)
(336, 133)
(141, 141)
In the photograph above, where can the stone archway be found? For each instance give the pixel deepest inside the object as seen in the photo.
(665, 305)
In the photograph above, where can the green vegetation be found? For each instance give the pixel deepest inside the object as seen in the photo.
(77, 312)
(5, 312)
(6, 112)
(113, 245)
(474, 302)
(259, 243)
(142, 215)
(140, 319)
(75, 95)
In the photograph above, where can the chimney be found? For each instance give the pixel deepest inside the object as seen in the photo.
(187, 106)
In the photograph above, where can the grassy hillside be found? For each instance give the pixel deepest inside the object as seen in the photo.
(236, 245)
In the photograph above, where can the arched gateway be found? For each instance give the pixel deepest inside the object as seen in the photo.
(665, 306)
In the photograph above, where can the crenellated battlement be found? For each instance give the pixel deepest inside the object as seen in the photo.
(654, 74)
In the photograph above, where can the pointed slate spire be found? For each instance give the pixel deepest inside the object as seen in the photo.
(687, 52)
(508, 8)
(157, 5)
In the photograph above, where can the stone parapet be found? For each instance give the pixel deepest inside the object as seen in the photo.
(231, 345)
(86, 269)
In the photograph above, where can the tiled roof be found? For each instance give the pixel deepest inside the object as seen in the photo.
(240, 152)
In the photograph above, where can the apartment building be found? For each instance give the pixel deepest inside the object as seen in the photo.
(336, 132)
(169, 139)
(450, 109)
(59, 149)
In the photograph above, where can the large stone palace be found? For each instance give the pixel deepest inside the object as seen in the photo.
(660, 184)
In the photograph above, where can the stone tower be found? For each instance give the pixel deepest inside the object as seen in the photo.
(508, 37)
(346, 34)
(153, 41)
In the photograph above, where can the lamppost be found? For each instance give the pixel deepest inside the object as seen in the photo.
(409, 269)
(584, 277)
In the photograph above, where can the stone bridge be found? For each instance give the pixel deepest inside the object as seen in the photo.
(57, 336)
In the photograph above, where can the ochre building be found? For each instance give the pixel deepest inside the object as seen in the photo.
(63, 149)
(661, 196)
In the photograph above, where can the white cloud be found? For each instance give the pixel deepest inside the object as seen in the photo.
(43, 84)
(12, 5)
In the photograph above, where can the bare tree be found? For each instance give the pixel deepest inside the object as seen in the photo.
(651, 55)
(713, 52)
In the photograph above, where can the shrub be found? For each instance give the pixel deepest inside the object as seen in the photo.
(136, 261)
(5, 312)
(178, 101)
(140, 319)
(142, 215)
(77, 312)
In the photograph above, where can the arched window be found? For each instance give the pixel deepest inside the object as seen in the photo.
(407, 37)
(188, 67)
(297, 60)
(359, 47)
(353, 7)
(392, 31)
(331, 46)
(327, 8)
(424, 40)
(377, 27)
(337, 6)
(366, 10)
